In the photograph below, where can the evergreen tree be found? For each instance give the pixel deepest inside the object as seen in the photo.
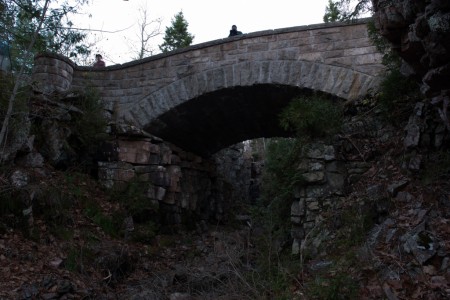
(332, 13)
(177, 36)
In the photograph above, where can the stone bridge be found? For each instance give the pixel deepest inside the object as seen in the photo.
(208, 96)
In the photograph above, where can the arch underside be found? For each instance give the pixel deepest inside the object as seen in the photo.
(216, 120)
(340, 81)
(208, 111)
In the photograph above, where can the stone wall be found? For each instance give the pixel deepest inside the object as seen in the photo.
(178, 182)
(303, 56)
(52, 73)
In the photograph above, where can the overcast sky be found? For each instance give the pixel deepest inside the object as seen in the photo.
(208, 20)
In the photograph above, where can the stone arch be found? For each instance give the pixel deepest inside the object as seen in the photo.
(336, 80)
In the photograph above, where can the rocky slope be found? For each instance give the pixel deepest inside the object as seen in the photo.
(390, 239)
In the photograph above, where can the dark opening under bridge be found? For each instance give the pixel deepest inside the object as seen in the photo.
(208, 96)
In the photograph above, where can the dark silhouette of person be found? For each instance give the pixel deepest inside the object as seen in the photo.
(99, 63)
(234, 31)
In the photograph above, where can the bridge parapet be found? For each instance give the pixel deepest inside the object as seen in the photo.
(52, 73)
(330, 49)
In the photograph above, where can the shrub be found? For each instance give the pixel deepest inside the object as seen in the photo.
(396, 90)
(89, 129)
(397, 95)
(311, 117)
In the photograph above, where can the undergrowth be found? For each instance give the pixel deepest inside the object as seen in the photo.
(311, 117)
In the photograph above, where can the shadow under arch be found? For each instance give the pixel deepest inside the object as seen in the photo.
(216, 120)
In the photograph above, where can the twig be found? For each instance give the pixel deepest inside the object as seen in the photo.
(108, 277)
(303, 245)
(353, 144)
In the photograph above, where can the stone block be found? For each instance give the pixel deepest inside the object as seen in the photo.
(184, 200)
(171, 198)
(313, 177)
(297, 232)
(296, 220)
(160, 192)
(160, 177)
(295, 247)
(136, 152)
(166, 155)
(174, 173)
(150, 193)
(313, 206)
(298, 208)
(336, 181)
(154, 159)
(315, 191)
(115, 171)
(124, 175)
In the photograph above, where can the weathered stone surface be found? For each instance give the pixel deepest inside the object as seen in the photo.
(298, 208)
(313, 176)
(137, 152)
(19, 179)
(420, 32)
(177, 181)
(338, 59)
(320, 151)
(52, 73)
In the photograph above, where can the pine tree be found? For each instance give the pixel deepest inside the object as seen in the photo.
(177, 36)
(332, 13)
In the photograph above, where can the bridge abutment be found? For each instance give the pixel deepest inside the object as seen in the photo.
(52, 73)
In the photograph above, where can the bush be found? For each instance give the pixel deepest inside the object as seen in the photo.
(309, 117)
(397, 95)
(396, 90)
(89, 129)
(312, 117)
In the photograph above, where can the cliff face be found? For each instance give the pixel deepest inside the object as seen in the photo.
(420, 33)
(401, 193)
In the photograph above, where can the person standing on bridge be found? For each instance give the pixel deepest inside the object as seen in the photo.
(234, 31)
(99, 61)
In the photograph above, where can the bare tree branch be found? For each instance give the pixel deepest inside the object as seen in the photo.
(148, 29)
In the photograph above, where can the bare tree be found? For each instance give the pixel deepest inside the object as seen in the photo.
(148, 29)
